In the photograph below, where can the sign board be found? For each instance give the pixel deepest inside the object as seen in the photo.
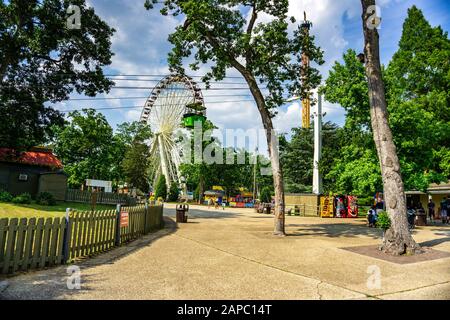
(107, 185)
(124, 219)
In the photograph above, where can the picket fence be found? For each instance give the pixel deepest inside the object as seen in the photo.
(36, 243)
(84, 196)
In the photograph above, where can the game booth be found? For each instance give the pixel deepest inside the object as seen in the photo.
(242, 200)
(339, 206)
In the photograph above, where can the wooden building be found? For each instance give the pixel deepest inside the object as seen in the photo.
(34, 171)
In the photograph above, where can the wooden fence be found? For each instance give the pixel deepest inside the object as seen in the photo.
(84, 196)
(31, 243)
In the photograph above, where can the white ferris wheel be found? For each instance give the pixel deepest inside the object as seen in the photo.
(175, 103)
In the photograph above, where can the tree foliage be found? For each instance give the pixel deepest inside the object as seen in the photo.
(266, 195)
(297, 157)
(135, 164)
(88, 148)
(417, 88)
(42, 60)
(173, 192)
(161, 188)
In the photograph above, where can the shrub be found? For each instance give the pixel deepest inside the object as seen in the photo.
(365, 201)
(266, 195)
(173, 192)
(45, 199)
(161, 188)
(24, 198)
(383, 222)
(5, 196)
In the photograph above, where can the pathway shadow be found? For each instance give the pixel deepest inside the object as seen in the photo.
(434, 242)
(346, 230)
(204, 214)
(52, 284)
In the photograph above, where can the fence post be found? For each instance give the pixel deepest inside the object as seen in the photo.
(67, 235)
(117, 242)
(145, 217)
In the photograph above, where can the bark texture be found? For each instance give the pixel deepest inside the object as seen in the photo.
(397, 240)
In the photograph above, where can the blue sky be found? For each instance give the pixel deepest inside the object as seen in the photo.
(140, 46)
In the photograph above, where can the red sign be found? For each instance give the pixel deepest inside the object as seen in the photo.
(124, 219)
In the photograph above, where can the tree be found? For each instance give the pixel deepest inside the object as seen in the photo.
(161, 188)
(88, 148)
(398, 239)
(347, 85)
(297, 157)
(42, 60)
(136, 162)
(418, 82)
(419, 127)
(173, 192)
(263, 53)
(266, 195)
(199, 174)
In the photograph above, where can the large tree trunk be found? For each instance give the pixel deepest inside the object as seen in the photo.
(398, 239)
(272, 143)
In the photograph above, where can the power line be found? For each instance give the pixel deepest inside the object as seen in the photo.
(162, 76)
(158, 80)
(146, 97)
(172, 88)
(141, 107)
(151, 88)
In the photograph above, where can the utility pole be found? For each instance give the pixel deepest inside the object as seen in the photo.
(317, 179)
(254, 174)
(306, 103)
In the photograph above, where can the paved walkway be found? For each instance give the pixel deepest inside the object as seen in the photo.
(232, 254)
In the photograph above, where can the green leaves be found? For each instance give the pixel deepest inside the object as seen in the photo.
(88, 148)
(417, 87)
(383, 222)
(347, 85)
(161, 188)
(42, 60)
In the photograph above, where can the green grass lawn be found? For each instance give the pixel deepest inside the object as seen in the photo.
(10, 210)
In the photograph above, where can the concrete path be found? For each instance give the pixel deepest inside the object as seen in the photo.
(232, 254)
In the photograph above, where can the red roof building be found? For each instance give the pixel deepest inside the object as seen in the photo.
(34, 171)
(36, 157)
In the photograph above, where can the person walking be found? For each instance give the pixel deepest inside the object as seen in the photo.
(210, 202)
(431, 206)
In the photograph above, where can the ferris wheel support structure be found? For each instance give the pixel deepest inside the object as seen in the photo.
(173, 98)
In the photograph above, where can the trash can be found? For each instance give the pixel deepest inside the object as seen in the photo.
(181, 210)
(421, 219)
(266, 208)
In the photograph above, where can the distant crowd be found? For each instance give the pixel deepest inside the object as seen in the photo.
(442, 212)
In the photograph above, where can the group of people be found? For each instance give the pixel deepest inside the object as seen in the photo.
(412, 211)
(372, 214)
(217, 204)
(444, 210)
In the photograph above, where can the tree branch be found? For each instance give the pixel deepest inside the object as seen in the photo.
(251, 25)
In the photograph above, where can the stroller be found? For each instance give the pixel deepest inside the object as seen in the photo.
(411, 215)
